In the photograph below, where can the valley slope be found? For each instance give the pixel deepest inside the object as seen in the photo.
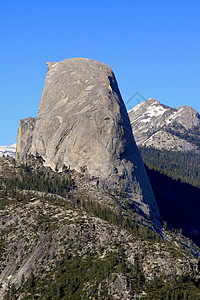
(169, 142)
(62, 237)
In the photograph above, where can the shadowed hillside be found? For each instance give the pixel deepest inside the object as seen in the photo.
(178, 202)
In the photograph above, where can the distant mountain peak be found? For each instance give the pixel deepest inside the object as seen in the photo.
(153, 100)
(163, 127)
(8, 150)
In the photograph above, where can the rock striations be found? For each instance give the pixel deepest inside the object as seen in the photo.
(82, 122)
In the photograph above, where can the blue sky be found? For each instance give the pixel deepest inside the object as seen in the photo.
(152, 46)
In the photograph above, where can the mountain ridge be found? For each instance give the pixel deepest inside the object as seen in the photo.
(163, 127)
(8, 150)
(169, 143)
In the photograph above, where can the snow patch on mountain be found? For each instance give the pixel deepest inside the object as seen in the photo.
(8, 150)
(152, 123)
(155, 111)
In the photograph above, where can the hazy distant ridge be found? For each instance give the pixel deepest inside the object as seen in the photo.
(8, 150)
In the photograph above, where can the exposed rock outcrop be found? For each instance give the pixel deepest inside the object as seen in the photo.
(164, 140)
(82, 122)
(24, 137)
(47, 237)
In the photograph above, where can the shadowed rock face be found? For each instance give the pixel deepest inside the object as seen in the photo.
(82, 122)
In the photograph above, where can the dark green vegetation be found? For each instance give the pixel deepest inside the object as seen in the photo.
(178, 203)
(63, 184)
(38, 180)
(183, 166)
(67, 281)
(175, 179)
(81, 247)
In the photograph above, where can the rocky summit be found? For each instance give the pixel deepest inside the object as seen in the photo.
(83, 124)
(165, 128)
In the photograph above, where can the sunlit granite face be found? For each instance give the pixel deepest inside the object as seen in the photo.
(82, 122)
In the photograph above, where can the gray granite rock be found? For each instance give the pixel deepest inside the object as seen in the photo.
(24, 137)
(82, 122)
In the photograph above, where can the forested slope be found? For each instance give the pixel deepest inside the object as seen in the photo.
(183, 166)
(63, 238)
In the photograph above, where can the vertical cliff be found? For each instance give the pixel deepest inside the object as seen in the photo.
(82, 122)
(24, 137)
